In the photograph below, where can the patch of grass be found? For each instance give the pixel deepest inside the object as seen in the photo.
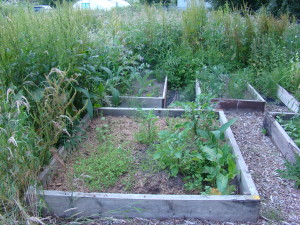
(105, 165)
(103, 168)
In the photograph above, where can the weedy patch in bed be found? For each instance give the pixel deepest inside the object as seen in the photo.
(249, 100)
(284, 130)
(156, 165)
(143, 92)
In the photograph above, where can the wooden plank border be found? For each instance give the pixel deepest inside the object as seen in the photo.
(279, 136)
(239, 105)
(242, 207)
(146, 102)
(288, 99)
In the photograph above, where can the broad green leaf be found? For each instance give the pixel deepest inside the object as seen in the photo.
(231, 168)
(211, 170)
(101, 89)
(92, 68)
(156, 155)
(202, 133)
(96, 79)
(89, 107)
(211, 153)
(174, 171)
(217, 134)
(197, 156)
(178, 155)
(115, 96)
(225, 126)
(222, 182)
(108, 71)
(84, 91)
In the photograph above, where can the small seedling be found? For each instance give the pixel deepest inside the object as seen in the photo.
(148, 130)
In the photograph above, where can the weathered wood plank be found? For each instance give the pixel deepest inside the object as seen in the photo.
(247, 185)
(145, 102)
(289, 100)
(221, 208)
(279, 136)
(238, 105)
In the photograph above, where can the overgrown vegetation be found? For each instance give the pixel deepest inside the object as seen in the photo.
(196, 149)
(100, 53)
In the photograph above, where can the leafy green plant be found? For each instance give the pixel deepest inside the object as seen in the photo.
(103, 167)
(196, 149)
(147, 133)
(292, 171)
(292, 127)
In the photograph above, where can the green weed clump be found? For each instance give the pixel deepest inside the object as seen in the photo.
(196, 149)
(104, 166)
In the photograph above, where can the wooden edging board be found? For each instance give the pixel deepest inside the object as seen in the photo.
(279, 136)
(146, 102)
(288, 99)
(239, 105)
(242, 207)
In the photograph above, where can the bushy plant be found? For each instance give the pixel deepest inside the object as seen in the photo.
(196, 149)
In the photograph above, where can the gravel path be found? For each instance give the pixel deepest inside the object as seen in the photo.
(280, 200)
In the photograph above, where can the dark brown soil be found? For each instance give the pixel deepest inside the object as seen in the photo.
(142, 180)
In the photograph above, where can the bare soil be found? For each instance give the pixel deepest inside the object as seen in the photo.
(144, 179)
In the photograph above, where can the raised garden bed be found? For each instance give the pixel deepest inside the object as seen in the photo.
(289, 100)
(253, 101)
(279, 136)
(241, 207)
(145, 101)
